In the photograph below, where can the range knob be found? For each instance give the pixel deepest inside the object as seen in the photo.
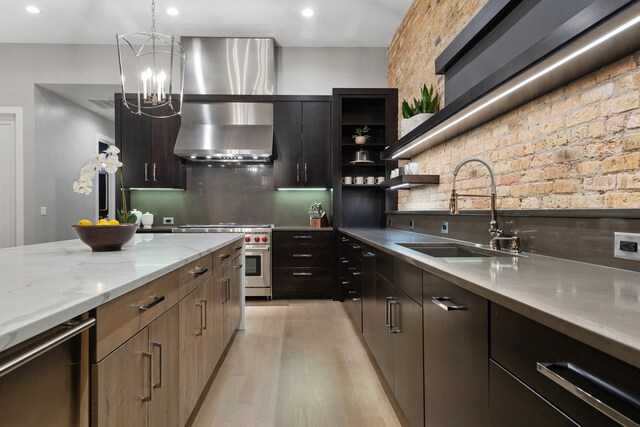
(264, 239)
(256, 239)
(247, 239)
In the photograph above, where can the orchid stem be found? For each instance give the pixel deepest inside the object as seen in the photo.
(124, 199)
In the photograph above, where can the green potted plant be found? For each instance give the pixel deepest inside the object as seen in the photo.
(421, 110)
(361, 136)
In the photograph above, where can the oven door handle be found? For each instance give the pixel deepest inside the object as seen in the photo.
(256, 248)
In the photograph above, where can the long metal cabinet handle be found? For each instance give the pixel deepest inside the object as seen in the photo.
(447, 304)
(387, 322)
(199, 271)
(149, 356)
(305, 237)
(154, 173)
(302, 255)
(223, 282)
(199, 333)
(75, 328)
(156, 301)
(306, 173)
(302, 274)
(228, 288)
(161, 367)
(204, 310)
(546, 370)
(394, 327)
(297, 172)
(146, 173)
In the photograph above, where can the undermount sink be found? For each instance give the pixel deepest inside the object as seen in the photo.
(454, 250)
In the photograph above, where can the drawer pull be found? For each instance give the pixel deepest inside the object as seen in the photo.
(344, 282)
(237, 267)
(199, 271)
(224, 256)
(238, 248)
(447, 304)
(149, 356)
(302, 274)
(354, 271)
(158, 300)
(354, 246)
(368, 254)
(302, 255)
(345, 261)
(546, 369)
(344, 239)
(302, 237)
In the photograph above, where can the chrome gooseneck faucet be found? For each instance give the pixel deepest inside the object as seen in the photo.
(495, 232)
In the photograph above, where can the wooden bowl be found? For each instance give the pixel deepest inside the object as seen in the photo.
(103, 238)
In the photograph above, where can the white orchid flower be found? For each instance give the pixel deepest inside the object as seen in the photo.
(111, 164)
(106, 161)
(82, 187)
(112, 150)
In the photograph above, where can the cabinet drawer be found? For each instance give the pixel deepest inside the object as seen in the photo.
(194, 273)
(302, 282)
(302, 255)
(224, 255)
(352, 303)
(292, 237)
(408, 278)
(520, 345)
(120, 319)
(384, 264)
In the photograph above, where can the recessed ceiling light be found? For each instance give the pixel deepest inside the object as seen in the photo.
(172, 11)
(307, 12)
(32, 9)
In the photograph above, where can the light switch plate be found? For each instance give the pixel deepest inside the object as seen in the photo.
(167, 220)
(43, 210)
(630, 241)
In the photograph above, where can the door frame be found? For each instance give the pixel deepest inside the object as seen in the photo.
(111, 180)
(18, 152)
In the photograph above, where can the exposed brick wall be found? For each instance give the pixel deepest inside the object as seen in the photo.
(576, 147)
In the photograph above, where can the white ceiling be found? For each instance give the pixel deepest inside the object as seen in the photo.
(336, 23)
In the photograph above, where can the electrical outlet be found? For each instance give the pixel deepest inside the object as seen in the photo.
(412, 224)
(444, 227)
(167, 220)
(43, 210)
(627, 246)
(389, 222)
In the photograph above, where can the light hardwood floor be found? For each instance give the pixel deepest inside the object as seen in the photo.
(298, 363)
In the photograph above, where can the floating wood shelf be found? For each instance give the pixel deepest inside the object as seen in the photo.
(404, 182)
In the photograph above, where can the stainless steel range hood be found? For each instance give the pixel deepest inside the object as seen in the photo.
(238, 132)
(228, 131)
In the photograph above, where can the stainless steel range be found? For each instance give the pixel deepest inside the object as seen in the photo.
(257, 252)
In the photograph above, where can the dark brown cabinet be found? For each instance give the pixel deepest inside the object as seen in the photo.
(302, 131)
(456, 352)
(564, 375)
(146, 146)
(302, 266)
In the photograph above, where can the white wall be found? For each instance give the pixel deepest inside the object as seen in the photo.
(316, 71)
(301, 71)
(66, 136)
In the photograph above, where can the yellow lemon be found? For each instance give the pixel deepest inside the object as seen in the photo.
(85, 222)
(114, 222)
(102, 222)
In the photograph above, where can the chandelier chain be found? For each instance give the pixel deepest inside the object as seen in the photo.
(153, 16)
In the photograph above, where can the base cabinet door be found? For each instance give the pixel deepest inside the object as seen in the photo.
(122, 385)
(211, 332)
(190, 333)
(456, 353)
(227, 309)
(512, 403)
(235, 293)
(406, 333)
(382, 348)
(163, 343)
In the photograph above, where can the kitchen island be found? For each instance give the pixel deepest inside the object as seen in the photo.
(46, 284)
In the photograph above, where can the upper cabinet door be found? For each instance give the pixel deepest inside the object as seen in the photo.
(316, 144)
(166, 169)
(133, 137)
(287, 125)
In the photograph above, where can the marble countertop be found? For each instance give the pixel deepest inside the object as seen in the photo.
(44, 285)
(597, 305)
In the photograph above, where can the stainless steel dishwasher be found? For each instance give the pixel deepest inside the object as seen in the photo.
(44, 381)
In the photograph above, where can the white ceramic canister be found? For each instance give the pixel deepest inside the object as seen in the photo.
(147, 220)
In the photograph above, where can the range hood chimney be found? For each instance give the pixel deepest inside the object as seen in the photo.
(228, 131)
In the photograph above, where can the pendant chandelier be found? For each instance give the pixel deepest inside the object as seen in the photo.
(154, 64)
